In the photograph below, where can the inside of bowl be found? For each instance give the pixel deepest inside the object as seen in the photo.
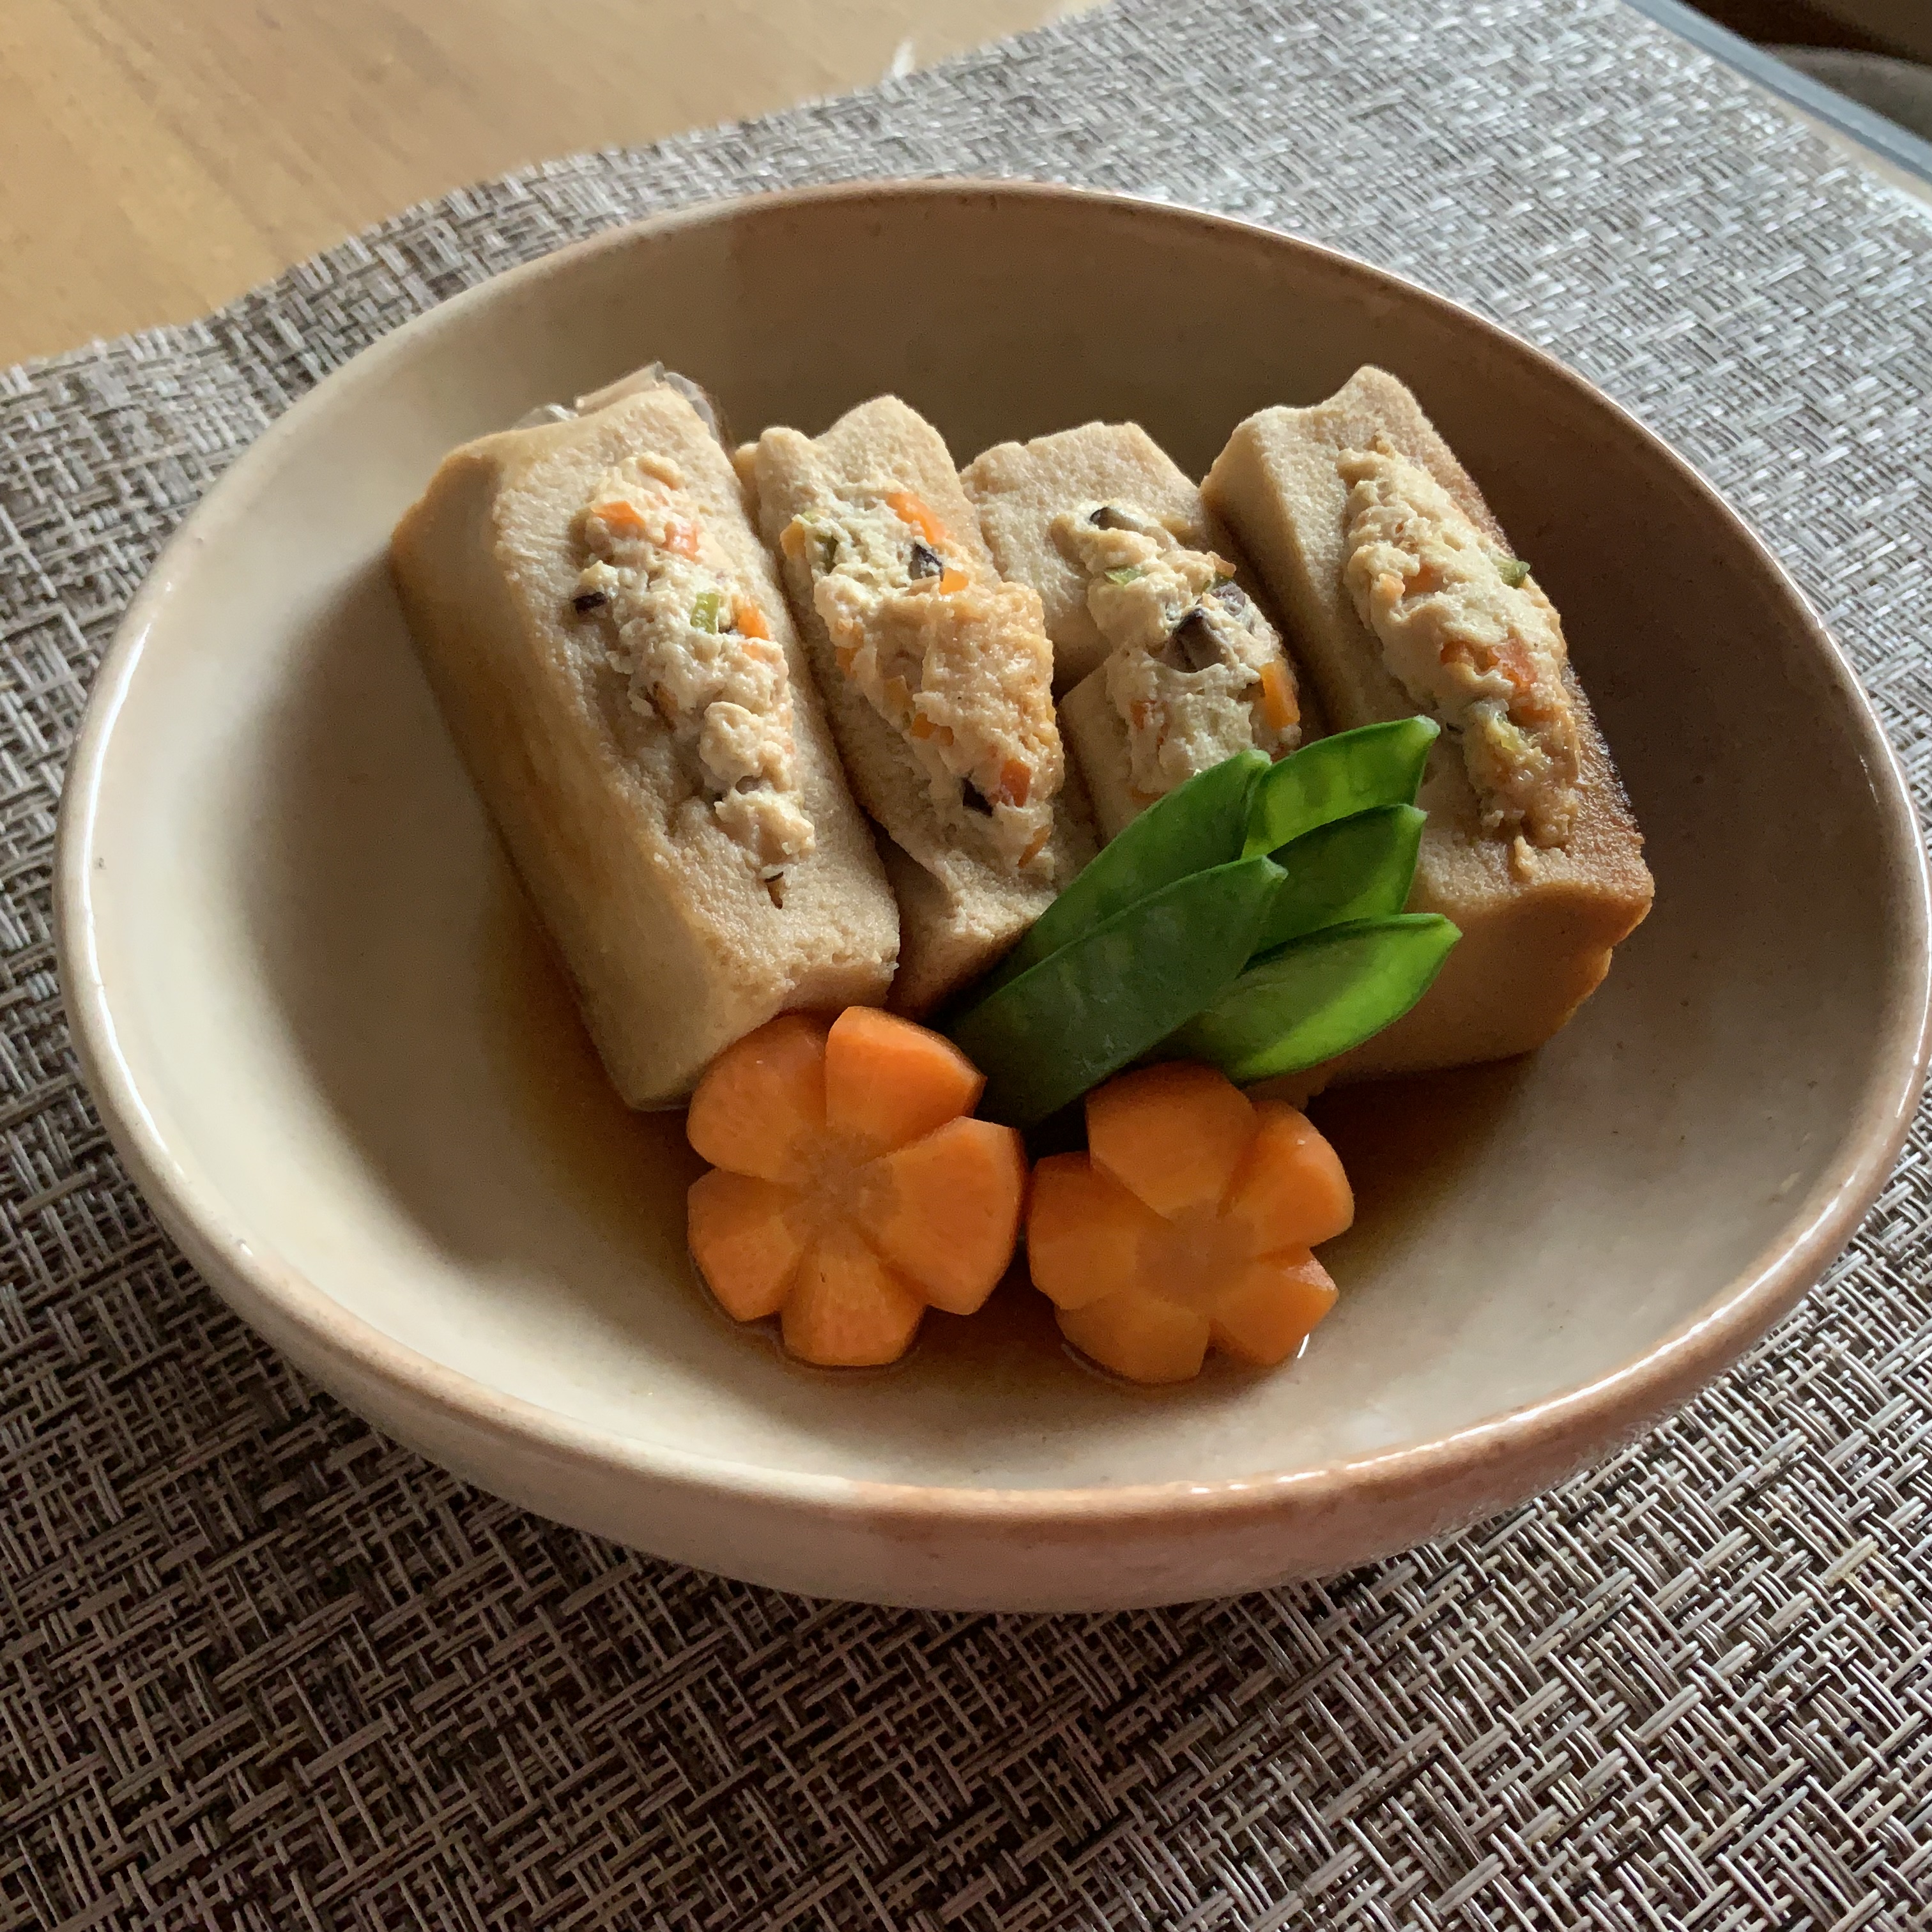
(345, 1027)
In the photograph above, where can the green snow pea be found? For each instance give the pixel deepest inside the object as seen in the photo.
(1350, 868)
(1335, 778)
(1117, 989)
(1318, 996)
(1198, 825)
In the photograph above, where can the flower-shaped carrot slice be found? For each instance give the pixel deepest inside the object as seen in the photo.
(850, 1190)
(1187, 1222)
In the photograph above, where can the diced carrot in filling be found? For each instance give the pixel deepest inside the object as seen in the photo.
(952, 581)
(1279, 705)
(1186, 1224)
(750, 620)
(620, 517)
(1016, 781)
(914, 509)
(1509, 658)
(681, 537)
(852, 1189)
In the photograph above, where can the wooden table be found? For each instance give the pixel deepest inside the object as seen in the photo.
(160, 156)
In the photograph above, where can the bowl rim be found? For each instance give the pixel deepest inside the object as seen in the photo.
(1595, 1414)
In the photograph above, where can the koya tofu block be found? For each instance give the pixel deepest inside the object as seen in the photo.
(609, 645)
(1019, 488)
(937, 676)
(1172, 664)
(1402, 594)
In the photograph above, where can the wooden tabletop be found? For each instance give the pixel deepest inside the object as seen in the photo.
(160, 156)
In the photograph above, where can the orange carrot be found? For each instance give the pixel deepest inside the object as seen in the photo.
(1016, 781)
(1268, 1308)
(749, 619)
(1290, 1191)
(1517, 665)
(851, 1190)
(1171, 1134)
(1139, 1336)
(1187, 1225)
(952, 581)
(681, 536)
(747, 1239)
(911, 508)
(621, 518)
(760, 1108)
(945, 1210)
(1279, 705)
(888, 1083)
(1084, 1231)
(850, 1310)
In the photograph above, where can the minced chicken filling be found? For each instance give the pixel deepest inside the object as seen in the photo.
(1468, 636)
(1196, 671)
(695, 645)
(961, 668)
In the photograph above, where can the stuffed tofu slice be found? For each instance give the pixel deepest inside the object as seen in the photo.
(1169, 663)
(937, 677)
(610, 648)
(1404, 594)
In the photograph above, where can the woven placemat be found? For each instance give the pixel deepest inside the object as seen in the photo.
(261, 1669)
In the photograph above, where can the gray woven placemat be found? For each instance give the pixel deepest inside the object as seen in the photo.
(259, 1668)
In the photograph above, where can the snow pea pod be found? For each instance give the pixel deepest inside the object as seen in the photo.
(1318, 996)
(1120, 988)
(1350, 868)
(1335, 778)
(1198, 825)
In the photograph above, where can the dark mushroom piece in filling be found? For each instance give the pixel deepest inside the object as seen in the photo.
(1191, 644)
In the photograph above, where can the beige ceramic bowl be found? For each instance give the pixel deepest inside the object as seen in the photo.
(330, 1046)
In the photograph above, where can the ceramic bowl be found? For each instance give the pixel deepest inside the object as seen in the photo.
(329, 1044)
